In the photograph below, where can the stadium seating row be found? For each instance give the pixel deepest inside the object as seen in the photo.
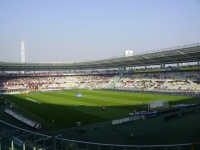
(23, 119)
(176, 81)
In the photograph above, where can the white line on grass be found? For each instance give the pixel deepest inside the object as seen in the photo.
(33, 101)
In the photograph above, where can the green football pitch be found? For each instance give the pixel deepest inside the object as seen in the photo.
(57, 110)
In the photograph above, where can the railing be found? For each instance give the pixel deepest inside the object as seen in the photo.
(37, 141)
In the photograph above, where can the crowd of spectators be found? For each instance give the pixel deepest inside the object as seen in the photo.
(20, 83)
(181, 81)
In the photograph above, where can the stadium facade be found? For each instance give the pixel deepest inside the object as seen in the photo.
(175, 55)
(115, 73)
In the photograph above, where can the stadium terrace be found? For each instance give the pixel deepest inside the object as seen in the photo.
(161, 71)
(136, 102)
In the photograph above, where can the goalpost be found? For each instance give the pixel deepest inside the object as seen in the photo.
(158, 104)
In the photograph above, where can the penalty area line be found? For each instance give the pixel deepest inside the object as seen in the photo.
(33, 101)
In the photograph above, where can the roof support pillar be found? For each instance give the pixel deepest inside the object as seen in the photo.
(198, 63)
(121, 71)
(177, 64)
(162, 65)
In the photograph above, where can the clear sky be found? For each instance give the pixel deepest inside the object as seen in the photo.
(80, 30)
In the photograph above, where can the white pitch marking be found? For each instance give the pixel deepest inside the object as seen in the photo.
(33, 101)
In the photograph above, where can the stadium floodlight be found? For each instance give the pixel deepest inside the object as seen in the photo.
(22, 52)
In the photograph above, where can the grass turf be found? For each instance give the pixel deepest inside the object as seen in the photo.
(66, 109)
(63, 109)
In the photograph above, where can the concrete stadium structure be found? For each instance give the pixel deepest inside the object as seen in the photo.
(175, 55)
(162, 58)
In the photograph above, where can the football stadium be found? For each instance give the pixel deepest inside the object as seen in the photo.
(148, 101)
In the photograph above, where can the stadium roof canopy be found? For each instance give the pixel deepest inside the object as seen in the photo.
(182, 54)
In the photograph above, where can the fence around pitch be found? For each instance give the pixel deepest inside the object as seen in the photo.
(44, 142)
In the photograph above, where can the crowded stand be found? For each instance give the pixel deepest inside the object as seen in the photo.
(28, 83)
(174, 81)
(160, 81)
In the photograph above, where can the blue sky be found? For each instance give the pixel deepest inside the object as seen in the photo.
(79, 30)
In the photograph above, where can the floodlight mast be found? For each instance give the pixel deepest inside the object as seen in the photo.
(22, 52)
